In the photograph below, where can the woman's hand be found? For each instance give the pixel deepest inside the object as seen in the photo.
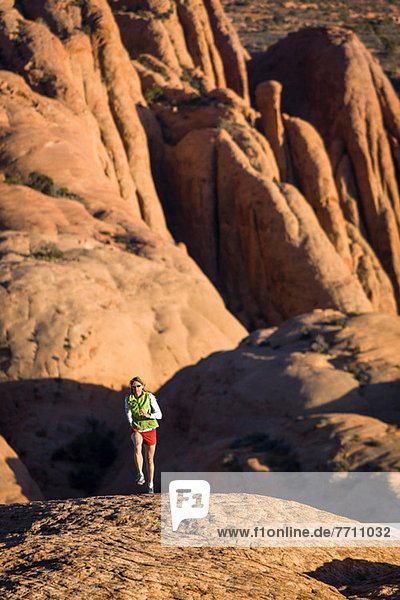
(144, 413)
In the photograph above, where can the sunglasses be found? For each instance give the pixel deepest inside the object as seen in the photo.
(136, 386)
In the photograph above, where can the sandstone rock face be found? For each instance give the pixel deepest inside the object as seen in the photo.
(100, 545)
(268, 98)
(139, 298)
(320, 381)
(182, 54)
(185, 35)
(296, 153)
(76, 309)
(227, 42)
(279, 245)
(314, 173)
(331, 81)
(91, 281)
(118, 134)
(16, 483)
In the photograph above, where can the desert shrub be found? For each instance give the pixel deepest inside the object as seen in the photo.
(129, 244)
(142, 13)
(19, 33)
(153, 94)
(194, 100)
(358, 373)
(165, 15)
(45, 184)
(42, 183)
(13, 180)
(373, 443)
(190, 78)
(49, 253)
(225, 124)
(153, 67)
(341, 322)
(277, 183)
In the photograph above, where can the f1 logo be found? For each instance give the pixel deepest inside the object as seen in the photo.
(189, 499)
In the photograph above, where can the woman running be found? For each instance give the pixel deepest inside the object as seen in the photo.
(142, 412)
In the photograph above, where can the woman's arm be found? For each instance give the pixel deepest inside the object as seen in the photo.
(128, 411)
(155, 409)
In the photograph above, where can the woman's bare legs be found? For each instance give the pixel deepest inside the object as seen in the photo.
(137, 441)
(149, 453)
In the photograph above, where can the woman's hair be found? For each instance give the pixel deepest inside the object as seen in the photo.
(139, 380)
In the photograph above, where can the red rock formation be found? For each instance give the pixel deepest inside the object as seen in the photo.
(330, 80)
(228, 44)
(92, 74)
(106, 107)
(296, 384)
(314, 173)
(92, 287)
(268, 98)
(261, 239)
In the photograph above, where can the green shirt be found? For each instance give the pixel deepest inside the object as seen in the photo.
(140, 422)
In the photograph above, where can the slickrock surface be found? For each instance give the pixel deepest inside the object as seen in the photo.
(320, 392)
(109, 548)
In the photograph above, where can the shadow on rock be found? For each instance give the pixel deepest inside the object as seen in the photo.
(361, 578)
(17, 519)
(67, 433)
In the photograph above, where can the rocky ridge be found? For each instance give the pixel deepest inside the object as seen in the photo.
(111, 547)
(318, 393)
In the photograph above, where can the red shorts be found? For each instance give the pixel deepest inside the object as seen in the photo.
(149, 437)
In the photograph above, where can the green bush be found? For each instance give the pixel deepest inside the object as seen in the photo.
(49, 253)
(341, 465)
(153, 94)
(45, 184)
(13, 180)
(42, 183)
(154, 67)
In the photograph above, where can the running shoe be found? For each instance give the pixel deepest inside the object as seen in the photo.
(140, 480)
(150, 488)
